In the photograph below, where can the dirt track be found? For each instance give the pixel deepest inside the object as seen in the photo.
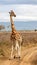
(28, 57)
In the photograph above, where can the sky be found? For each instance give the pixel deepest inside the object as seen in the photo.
(18, 1)
(25, 10)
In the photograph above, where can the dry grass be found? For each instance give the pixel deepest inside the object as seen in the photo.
(29, 39)
(33, 59)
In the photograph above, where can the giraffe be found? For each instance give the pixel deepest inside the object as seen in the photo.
(16, 38)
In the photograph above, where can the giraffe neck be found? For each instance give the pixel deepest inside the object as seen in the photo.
(12, 24)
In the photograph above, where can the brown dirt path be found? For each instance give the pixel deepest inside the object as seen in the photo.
(27, 56)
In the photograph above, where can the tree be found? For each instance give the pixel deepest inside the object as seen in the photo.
(2, 27)
(35, 29)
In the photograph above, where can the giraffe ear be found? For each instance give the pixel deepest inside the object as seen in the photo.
(9, 12)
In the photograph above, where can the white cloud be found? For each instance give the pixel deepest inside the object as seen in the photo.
(23, 12)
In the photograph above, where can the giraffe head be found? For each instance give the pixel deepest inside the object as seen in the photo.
(12, 13)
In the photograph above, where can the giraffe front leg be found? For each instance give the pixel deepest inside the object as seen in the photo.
(12, 52)
(18, 49)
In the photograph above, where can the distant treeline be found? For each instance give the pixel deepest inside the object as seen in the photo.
(35, 30)
(2, 27)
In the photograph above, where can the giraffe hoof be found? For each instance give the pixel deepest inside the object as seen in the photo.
(19, 57)
(14, 57)
(9, 59)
